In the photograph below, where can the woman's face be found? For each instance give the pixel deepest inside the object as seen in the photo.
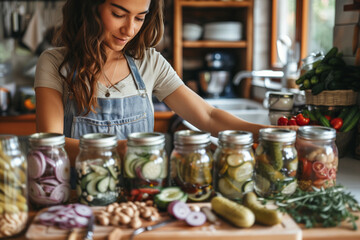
(122, 20)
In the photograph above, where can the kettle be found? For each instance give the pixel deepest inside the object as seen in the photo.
(5, 100)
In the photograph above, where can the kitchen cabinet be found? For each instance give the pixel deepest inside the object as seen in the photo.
(206, 11)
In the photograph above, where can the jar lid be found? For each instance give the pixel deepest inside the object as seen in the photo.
(277, 134)
(47, 139)
(314, 56)
(98, 140)
(145, 138)
(191, 137)
(8, 141)
(317, 133)
(236, 137)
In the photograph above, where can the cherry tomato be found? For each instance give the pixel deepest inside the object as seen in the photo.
(282, 121)
(336, 123)
(292, 121)
(327, 117)
(320, 170)
(332, 173)
(301, 120)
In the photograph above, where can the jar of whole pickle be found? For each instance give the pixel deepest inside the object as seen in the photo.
(276, 162)
(49, 174)
(234, 164)
(192, 164)
(145, 165)
(13, 204)
(318, 157)
(98, 170)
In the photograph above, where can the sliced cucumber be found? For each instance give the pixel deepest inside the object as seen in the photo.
(167, 195)
(235, 160)
(248, 186)
(129, 159)
(242, 172)
(227, 188)
(103, 184)
(87, 178)
(112, 184)
(112, 171)
(262, 185)
(151, 170)
(99, 170)
(91, 187)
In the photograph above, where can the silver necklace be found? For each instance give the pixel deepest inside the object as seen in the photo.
(107, 94)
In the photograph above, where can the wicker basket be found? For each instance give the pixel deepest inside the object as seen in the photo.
(331, 98)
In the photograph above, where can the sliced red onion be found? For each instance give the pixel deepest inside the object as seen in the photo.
(36, 164)
(61, 193)
(171, 206)
(83, 210)
(58, 208)
(50, 161)
(35, 189)
(81, 221)
(48, 188)
(52, 182)
(62, 171)
(180, 210)
(195, 219)
(47, 216)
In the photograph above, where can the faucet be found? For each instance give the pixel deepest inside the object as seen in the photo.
(267, 75)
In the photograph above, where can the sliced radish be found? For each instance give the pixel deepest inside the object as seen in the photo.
(195, 219)
(180, 210)
(37, 164)
(83, 210)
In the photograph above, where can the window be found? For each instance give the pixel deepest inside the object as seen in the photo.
(308, 24)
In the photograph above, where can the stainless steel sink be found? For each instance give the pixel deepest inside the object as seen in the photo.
(246, 109)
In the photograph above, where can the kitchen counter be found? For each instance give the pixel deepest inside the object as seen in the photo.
(349, 169)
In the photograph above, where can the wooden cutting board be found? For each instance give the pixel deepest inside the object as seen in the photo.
(288, 230)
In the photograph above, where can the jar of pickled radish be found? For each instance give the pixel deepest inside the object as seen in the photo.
(98, 170)
(49, 171)
(234, 164)
(145, 165)
(192, 164)
(13, 204)
(276, 162)
(318, 157)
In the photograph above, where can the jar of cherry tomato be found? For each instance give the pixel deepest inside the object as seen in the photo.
(145, 165)
(234, 164)
(318, 157)
(192, 164)
(276, 162)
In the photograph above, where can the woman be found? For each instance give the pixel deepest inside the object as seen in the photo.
(103, 77)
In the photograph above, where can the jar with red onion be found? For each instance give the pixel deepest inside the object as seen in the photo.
(98, 170)
(13, 192)
(49, 171)
(318, 157)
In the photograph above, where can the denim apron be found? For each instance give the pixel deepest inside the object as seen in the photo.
(117, 116)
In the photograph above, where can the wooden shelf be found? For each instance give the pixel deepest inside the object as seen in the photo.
(237, 4)
(214, 44)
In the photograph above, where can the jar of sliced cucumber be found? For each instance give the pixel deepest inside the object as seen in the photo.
(145, 165)
(192, 164)
(276, 162)
(98, 170)
(49, 174)
(234, 165)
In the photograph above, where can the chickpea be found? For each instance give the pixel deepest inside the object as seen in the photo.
(135, 223)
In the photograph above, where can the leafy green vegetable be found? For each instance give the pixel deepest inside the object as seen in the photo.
(322, 207)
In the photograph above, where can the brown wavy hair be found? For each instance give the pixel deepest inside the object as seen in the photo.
(82, 36)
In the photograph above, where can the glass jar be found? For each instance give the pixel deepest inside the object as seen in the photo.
(13, 204)
(276, 162)
(98, 170)
(49, 171)
(318, 156)
(234, 164)
(282, 101)
(311, 61)
(145, 166)
(192, 164)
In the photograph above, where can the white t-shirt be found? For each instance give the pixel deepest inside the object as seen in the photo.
(158, 75)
